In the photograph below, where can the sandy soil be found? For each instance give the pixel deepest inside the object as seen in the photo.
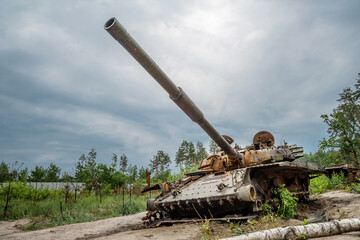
(330, 205)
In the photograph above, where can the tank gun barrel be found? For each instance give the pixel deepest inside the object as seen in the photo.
(119, 33)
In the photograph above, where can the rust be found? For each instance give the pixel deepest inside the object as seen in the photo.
(351, 173)
(264, 139)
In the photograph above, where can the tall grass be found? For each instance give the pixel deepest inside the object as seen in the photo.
(55, 209)
(336, 182)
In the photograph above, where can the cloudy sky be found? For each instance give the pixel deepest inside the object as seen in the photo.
(66, 85)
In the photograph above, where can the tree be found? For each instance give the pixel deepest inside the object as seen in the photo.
(85, 168)
(91, 159)
(23, 175)
(114, 161)
(118, 179)
(190, 154)
(80, 166)
(133, 173)
(160, 162)
(123, 163)
(200, 153)
(344, 125)
(66, 177)
(180, 156)
(4, 172)
(11, 174)
(52, 173)
(104, 173)
(142, 173)
(38, 174)
(214, 148)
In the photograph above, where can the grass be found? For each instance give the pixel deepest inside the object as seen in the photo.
(54, 212)
(323, 184)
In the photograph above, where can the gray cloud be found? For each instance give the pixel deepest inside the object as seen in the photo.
(67, 86)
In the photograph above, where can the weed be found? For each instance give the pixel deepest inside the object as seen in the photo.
(305, 222)
(206, 230)
(343, 215)
(287, 202)
(302, 236)
(250, 225)
(267, 209)
(323, 183)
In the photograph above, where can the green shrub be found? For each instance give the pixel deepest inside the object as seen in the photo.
(287, 202)
(323, 183)
(319, 184)
(338, 181)
(21, 190)
(267, 209)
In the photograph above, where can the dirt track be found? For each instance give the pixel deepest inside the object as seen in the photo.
(336, 205)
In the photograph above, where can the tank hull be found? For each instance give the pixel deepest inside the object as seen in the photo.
(240, 191)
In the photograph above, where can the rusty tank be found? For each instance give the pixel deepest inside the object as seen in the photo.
(234, 182)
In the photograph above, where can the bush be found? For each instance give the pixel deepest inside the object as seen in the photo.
(21, 190)
(287, 202)
(323, 183)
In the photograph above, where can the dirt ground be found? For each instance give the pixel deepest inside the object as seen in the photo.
(330, 205)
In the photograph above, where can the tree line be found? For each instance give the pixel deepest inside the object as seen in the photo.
(117, 173)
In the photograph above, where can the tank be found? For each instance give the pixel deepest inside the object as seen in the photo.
(235, 180)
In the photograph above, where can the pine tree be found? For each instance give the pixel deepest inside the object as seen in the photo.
(114, 161)
(180, 156)
(160, 162)
(38, 174)
(123, 163)
(52, 173)
(80, 166)
(91, 159)
(190, 154)
(200, 152)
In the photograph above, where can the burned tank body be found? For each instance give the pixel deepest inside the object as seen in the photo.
(233, 181)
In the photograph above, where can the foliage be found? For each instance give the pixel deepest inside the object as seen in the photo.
(123, 163)
(181, 155)
(52, 173)
(38, 174)
(305, 222)
(114, 161)
(344, 125)
(355, 187)
(46, 213)
(181, 174)
(160, 165)
(21, 190)
(189, 155)
(323, 183)
(325, 158)
(287, 202)
(4, 172)
(267, 209)
(23, 175)
(251, 225)
(200, 152)
(206, 230)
